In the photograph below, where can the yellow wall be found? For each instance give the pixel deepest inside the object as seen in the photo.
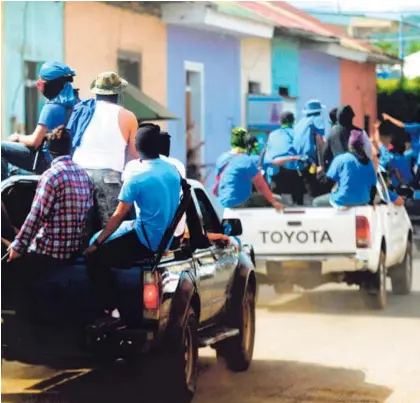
(255, 66)
(94, 32)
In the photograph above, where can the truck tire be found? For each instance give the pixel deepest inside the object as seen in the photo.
(237, 352)
(181, 361)
(374, 294)
(402, 274)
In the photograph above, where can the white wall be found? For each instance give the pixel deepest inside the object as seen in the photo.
(255, 66)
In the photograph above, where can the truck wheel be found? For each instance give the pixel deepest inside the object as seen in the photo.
(237, 352)
(374, 293)
(181, 361)
(402, 274)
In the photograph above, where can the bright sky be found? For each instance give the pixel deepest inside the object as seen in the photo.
(371, 6)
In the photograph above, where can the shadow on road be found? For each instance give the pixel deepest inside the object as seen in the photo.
(266, 381)
(343, 301)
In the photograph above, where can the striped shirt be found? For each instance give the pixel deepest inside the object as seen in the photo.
(55, 224)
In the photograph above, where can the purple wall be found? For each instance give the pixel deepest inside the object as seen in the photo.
(220, 55)
(319, 77)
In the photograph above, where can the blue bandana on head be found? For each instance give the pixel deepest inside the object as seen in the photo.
(51, 71)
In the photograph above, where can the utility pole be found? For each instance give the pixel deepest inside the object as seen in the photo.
(401, 47)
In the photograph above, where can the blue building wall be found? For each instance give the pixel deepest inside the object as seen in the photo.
(33, 31)
(220, 55)
(285, 65)
(319, 77)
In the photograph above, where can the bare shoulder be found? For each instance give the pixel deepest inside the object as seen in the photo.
(128, 115)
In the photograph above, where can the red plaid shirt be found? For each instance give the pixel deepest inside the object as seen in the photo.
(55, 224)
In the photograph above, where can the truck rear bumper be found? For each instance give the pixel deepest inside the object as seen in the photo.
(323, 264)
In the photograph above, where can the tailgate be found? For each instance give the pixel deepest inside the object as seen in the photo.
(299, 231)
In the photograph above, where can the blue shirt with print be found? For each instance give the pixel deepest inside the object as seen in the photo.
(235, 184)
(413, 129)
(155, 191)
(354, 180)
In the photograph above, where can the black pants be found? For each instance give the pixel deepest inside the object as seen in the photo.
(289, 181)
(119, 253)
(107, 184)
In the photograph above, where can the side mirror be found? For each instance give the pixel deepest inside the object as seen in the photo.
(232, 226)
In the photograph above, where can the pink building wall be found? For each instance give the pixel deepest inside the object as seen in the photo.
(358, 89)
(94, 33)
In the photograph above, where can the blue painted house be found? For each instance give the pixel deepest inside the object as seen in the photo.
(33, 33)
(204, 78)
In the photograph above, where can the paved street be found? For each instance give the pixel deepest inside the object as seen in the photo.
(322, 346)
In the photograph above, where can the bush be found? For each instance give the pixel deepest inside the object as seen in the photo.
(400, 100)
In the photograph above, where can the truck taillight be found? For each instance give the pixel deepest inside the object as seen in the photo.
(151, 295)
(363, 238)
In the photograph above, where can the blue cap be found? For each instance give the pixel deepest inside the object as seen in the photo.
(52, 70)
(313, 106)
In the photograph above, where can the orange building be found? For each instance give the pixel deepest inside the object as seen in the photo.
(358, 89)
(101, 37)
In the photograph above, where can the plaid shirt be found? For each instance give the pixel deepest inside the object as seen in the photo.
(55, 224)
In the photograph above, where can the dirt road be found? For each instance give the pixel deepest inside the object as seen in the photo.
(322, 346)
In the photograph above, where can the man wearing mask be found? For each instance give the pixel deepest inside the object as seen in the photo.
(309, 140)
(280, 161)
(102, 132)
(155, 191)
(20, 150)
(237, 171)
(337, 142)
(353, 176)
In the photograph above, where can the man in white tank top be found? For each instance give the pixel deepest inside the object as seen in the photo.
(102, 150)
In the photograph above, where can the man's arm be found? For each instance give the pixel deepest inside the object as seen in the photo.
(41, 207)
(128, 122)
(394, 121)
(35, 139)
(261, 185)
(283, 160)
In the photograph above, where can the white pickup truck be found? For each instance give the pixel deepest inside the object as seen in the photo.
(309, 246)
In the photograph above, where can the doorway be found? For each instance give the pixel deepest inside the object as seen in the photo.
(194, 118)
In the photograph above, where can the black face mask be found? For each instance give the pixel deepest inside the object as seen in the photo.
(53, 88)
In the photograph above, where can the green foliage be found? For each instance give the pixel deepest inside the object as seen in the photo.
(388, 47)
(392, 85)
(400, 98)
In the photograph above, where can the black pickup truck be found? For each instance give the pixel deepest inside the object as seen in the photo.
(201, 294)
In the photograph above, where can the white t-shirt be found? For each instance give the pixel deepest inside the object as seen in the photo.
(135, 166)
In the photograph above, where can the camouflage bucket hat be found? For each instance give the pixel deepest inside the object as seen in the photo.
(108, 83)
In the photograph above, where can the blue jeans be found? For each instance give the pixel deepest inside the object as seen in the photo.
(22, 157)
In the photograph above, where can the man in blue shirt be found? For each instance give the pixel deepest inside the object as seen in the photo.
(281, 161)
(413, 129)
(354, 176)
(237, 171)
(19, 150)
(155, 191)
